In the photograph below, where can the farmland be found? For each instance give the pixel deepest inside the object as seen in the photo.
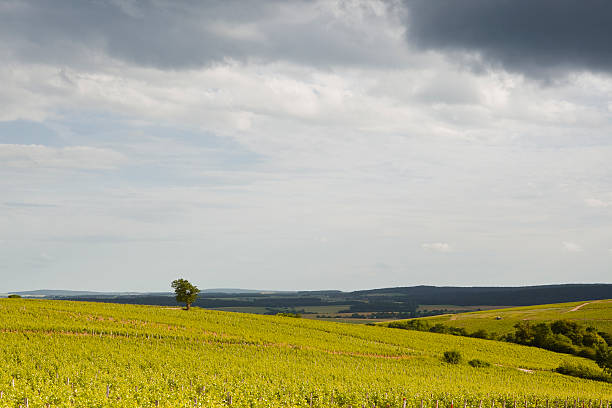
(358, 306)
(108, 355)
(597, 313)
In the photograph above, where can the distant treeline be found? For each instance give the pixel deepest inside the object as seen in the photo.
(492, 296)
(278, 302)
(404, 300)
(383, 305)
(396, 315)
(562, 336)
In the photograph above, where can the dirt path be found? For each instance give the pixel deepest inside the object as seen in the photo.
(578, 307)
(525, 370)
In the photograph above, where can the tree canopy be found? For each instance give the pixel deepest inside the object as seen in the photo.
(185, 291)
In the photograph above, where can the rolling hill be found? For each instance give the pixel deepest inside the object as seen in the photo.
(358, 306)
(596, 313)
(62, 353)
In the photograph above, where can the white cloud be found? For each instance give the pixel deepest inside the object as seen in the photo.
(73, 157)
(438, 247)
(572, 247)
(268, 157)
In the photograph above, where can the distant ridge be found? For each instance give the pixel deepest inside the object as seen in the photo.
(61, 292)
(235, 290)
(496, 295)
(70, 293)
(383, 299)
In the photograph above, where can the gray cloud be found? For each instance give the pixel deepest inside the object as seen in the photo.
(538, 38)
(243, 159)
(188, 34)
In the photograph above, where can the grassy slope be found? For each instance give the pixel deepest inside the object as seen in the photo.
(597, 313)
(69, 352)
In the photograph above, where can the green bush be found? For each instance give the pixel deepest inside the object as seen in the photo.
(582, 371)
(14, 297)
(480, 334)
(603, 357)
(415, 324)
(452, 357)
(439, 328)
(478, 363)
(295, 315)
(588, 353)
(606, 336)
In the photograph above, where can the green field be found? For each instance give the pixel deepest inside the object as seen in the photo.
(325, 313)
(97, 355)
(307, 310)
(596, 313)
(457, 308)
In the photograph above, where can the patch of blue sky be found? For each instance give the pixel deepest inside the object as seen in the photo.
(158, 154)
(107, 127)
(29, 133)
(119, 132)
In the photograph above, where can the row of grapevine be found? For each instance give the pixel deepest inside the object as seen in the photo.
(56, 353)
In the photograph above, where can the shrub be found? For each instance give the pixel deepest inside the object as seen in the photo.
(587, 353)
(606, 336)
(603, 358)
(439, 328)
(480, 334)
(452, 357)
(582, 371)
(418, 325)
(478, 363)
(296, 315)
(457, 331)
(399, 325)
(14, 297)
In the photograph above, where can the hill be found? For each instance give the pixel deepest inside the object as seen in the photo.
(76, 293)
(500, 296)
(96, 354)
(595, 313)
(359, 306)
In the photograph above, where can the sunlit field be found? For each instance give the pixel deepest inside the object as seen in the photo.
(57, 353)
(596, 313)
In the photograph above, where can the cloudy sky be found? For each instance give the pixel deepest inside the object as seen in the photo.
(304, 144)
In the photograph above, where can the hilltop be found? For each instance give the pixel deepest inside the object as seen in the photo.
(357, 306)
(97, 354)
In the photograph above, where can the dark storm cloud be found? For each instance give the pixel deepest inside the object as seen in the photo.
(188, 33)
(536, 37)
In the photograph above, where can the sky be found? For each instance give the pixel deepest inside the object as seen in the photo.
(297, 145)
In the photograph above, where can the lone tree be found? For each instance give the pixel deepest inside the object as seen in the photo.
(185, 291)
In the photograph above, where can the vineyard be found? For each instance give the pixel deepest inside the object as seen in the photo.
(58, 353)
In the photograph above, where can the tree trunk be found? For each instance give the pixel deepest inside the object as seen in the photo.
(188, 305)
